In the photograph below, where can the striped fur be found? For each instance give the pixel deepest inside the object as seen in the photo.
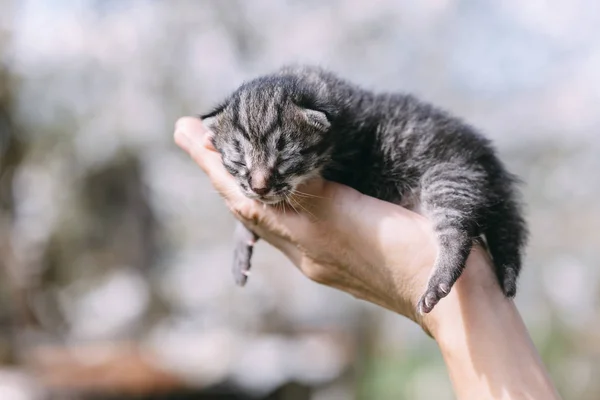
(302, 121)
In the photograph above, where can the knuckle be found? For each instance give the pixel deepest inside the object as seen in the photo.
(247, 212)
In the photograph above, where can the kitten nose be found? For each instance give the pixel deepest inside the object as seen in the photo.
(259, 182)
(261, 191)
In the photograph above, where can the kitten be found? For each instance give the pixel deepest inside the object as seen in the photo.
(278, 130)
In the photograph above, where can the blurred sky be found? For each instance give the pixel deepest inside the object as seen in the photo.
(493, 62)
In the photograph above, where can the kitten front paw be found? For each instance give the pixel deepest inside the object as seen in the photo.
(437, 288)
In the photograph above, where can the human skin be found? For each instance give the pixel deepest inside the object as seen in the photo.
(382, 253)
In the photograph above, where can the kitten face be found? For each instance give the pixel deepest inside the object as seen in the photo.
(269, 138)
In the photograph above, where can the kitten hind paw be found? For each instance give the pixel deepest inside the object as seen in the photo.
(244, 241)
(241, 262)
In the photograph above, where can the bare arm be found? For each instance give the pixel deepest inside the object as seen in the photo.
(485, 344)
(383, 253)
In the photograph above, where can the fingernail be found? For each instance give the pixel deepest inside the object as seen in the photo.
(207, 141)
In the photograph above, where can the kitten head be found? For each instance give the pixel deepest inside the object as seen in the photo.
(272, 134)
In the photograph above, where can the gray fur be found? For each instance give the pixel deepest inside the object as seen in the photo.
(303, 121)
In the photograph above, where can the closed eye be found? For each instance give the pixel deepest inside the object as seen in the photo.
(283, 162)
(289, 167)
(230, 169)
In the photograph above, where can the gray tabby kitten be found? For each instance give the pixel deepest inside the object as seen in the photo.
(278, 130)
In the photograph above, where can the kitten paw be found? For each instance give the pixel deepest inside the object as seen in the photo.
(244, 240)
(241, 262)
(437, 289)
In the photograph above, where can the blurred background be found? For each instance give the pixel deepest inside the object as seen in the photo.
(115, 251)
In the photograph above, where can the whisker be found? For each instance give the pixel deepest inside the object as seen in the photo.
(304, 194)
(282, 205)
(277, 207)
(289, 201)
(305, 209)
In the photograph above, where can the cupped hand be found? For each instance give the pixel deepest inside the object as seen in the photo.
(374, 250)
(383, 253)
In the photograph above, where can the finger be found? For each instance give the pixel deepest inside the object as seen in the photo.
(189, 130)
(194, 138)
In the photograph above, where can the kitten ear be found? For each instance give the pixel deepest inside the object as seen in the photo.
(318, 119)
(210, 118)
(209, 122)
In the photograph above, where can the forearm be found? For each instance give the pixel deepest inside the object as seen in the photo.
(484, 342)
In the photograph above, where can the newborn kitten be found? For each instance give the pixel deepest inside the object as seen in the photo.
(276, 131)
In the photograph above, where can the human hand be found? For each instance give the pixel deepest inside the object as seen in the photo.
(372, 249)
(383, 253)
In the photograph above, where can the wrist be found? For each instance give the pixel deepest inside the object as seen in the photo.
(483, 340)
(475, 297)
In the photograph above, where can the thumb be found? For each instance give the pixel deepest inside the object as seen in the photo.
(193, 137)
